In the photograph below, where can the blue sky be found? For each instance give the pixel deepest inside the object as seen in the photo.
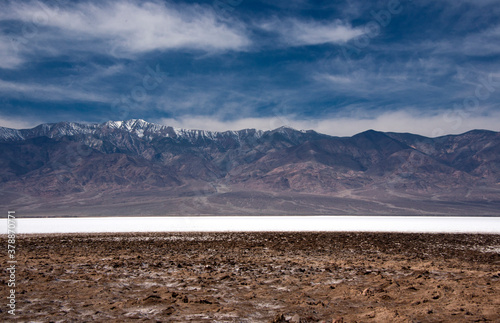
(339, 67)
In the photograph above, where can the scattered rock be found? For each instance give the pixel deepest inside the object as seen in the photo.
(152, 299)
(204, 301)
(279, 318)
(368, 292)
(168, 311)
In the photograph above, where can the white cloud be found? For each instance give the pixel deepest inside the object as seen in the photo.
(129, 27)
(474, 43)
(49, 92)
(400, 121)
(298, 33)
(336, 78)
(484, 43)
(9, 57)
(18, 123)
(312, 33)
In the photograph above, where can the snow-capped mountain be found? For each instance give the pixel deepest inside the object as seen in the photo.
(137, 127)
(127, 165)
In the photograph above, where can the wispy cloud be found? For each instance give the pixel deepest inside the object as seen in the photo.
(128, 27)
(48, 92)
(336, 79)
(399, 121)
(9, 58)
(295, 32)
(484, 43)
(18, 122)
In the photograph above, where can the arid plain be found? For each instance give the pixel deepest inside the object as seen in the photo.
(257, 277)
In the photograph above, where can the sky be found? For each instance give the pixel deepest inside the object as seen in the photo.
(429, 67)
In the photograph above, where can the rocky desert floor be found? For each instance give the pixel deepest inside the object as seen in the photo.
(256, 277)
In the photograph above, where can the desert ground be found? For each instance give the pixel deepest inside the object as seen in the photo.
(256, 277)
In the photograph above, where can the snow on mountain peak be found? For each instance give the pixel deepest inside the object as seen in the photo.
(114, 124)
(138, 127)
(10, 134)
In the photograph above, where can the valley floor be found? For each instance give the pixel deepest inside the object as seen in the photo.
(257, 277)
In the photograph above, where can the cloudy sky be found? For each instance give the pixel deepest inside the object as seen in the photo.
(339, 67)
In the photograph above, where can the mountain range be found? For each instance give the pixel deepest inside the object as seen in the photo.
(138, 168)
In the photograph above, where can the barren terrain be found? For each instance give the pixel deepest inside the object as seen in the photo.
(135, 168)
(257, 277)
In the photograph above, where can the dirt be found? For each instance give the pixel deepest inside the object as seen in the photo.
(256, 277)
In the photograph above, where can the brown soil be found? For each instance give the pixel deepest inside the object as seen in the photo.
(257, 277)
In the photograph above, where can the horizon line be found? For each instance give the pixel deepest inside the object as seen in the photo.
(247, 128)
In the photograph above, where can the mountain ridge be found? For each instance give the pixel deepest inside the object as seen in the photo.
(66, 168)
(7, 134)
(137, 126)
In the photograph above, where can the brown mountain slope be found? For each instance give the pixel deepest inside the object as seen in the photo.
(134, 167)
